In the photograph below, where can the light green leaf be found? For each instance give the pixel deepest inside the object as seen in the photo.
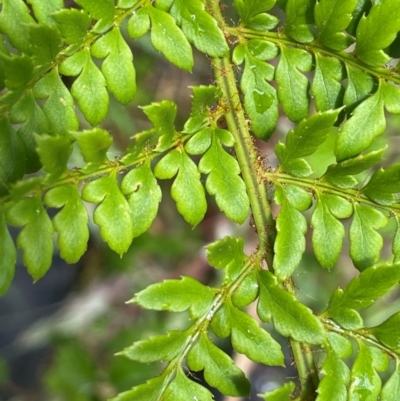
(348, 318)
(139, 23)
(183, 389)
(326, 86)
(250, 339)
(363, 375)
(59, 107)
(292, 84)
(249, 8)
(391, 389)
(362, 7)
(333, 386)
(341, 345)
(283, 393)
(176, 296)
(260, 98)
(187, 190)
(202, 99)
(223, 180)
(54, 152)
(247, 291)
(8, 256)
(388, 332)
(306, 137)
(359, 86)
(73, 24)
(391, 97)
(365, 242)
(89, 88)
(94, 145)
(144, 197)
(112, 214)
(148, 391)
(219, 370)
(14, 22)
(289, 244)
(199, 27)
(167, 38)
(383, 185)
(117, 67)
(162, 115)
(327, 238)
(263, 22)
(290, 317)
(366, 123)
(299, 16)
(44, 10)
(364, 289)
(102, 10)
(38, 249)
(71, 222)
(199, 142)
(341, 173)
(164, 348)
(331, 18)
(227, 254)
(376, 31)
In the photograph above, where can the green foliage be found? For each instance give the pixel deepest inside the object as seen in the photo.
(329, 66)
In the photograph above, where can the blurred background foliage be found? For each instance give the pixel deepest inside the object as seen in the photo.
(58, 337)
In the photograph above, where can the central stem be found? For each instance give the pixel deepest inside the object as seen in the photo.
(252, 172)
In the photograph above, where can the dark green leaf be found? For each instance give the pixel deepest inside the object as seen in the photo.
(292, 84)
(165, 347)
(328, 232)
(377, 31)
(290, 317)
(38, 249)
(112, 214)
(223, 180)
(199, 27)
(12, 155)
(102, 10)
(187, 190)
(283, 393)
(176, 296)
(71, 222)
(117, 67)
(383, 185)
(144, 197)
(54, 152)
(388, 332)
(167, 38)
(326, 87)
(366, 123)
(219, 370)
(14, 20)
(59, 107)
(183, 389)
(331, 18)
(290, 244)
(365, 242)
(8, 256)
(73, 24)
(299, 16)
